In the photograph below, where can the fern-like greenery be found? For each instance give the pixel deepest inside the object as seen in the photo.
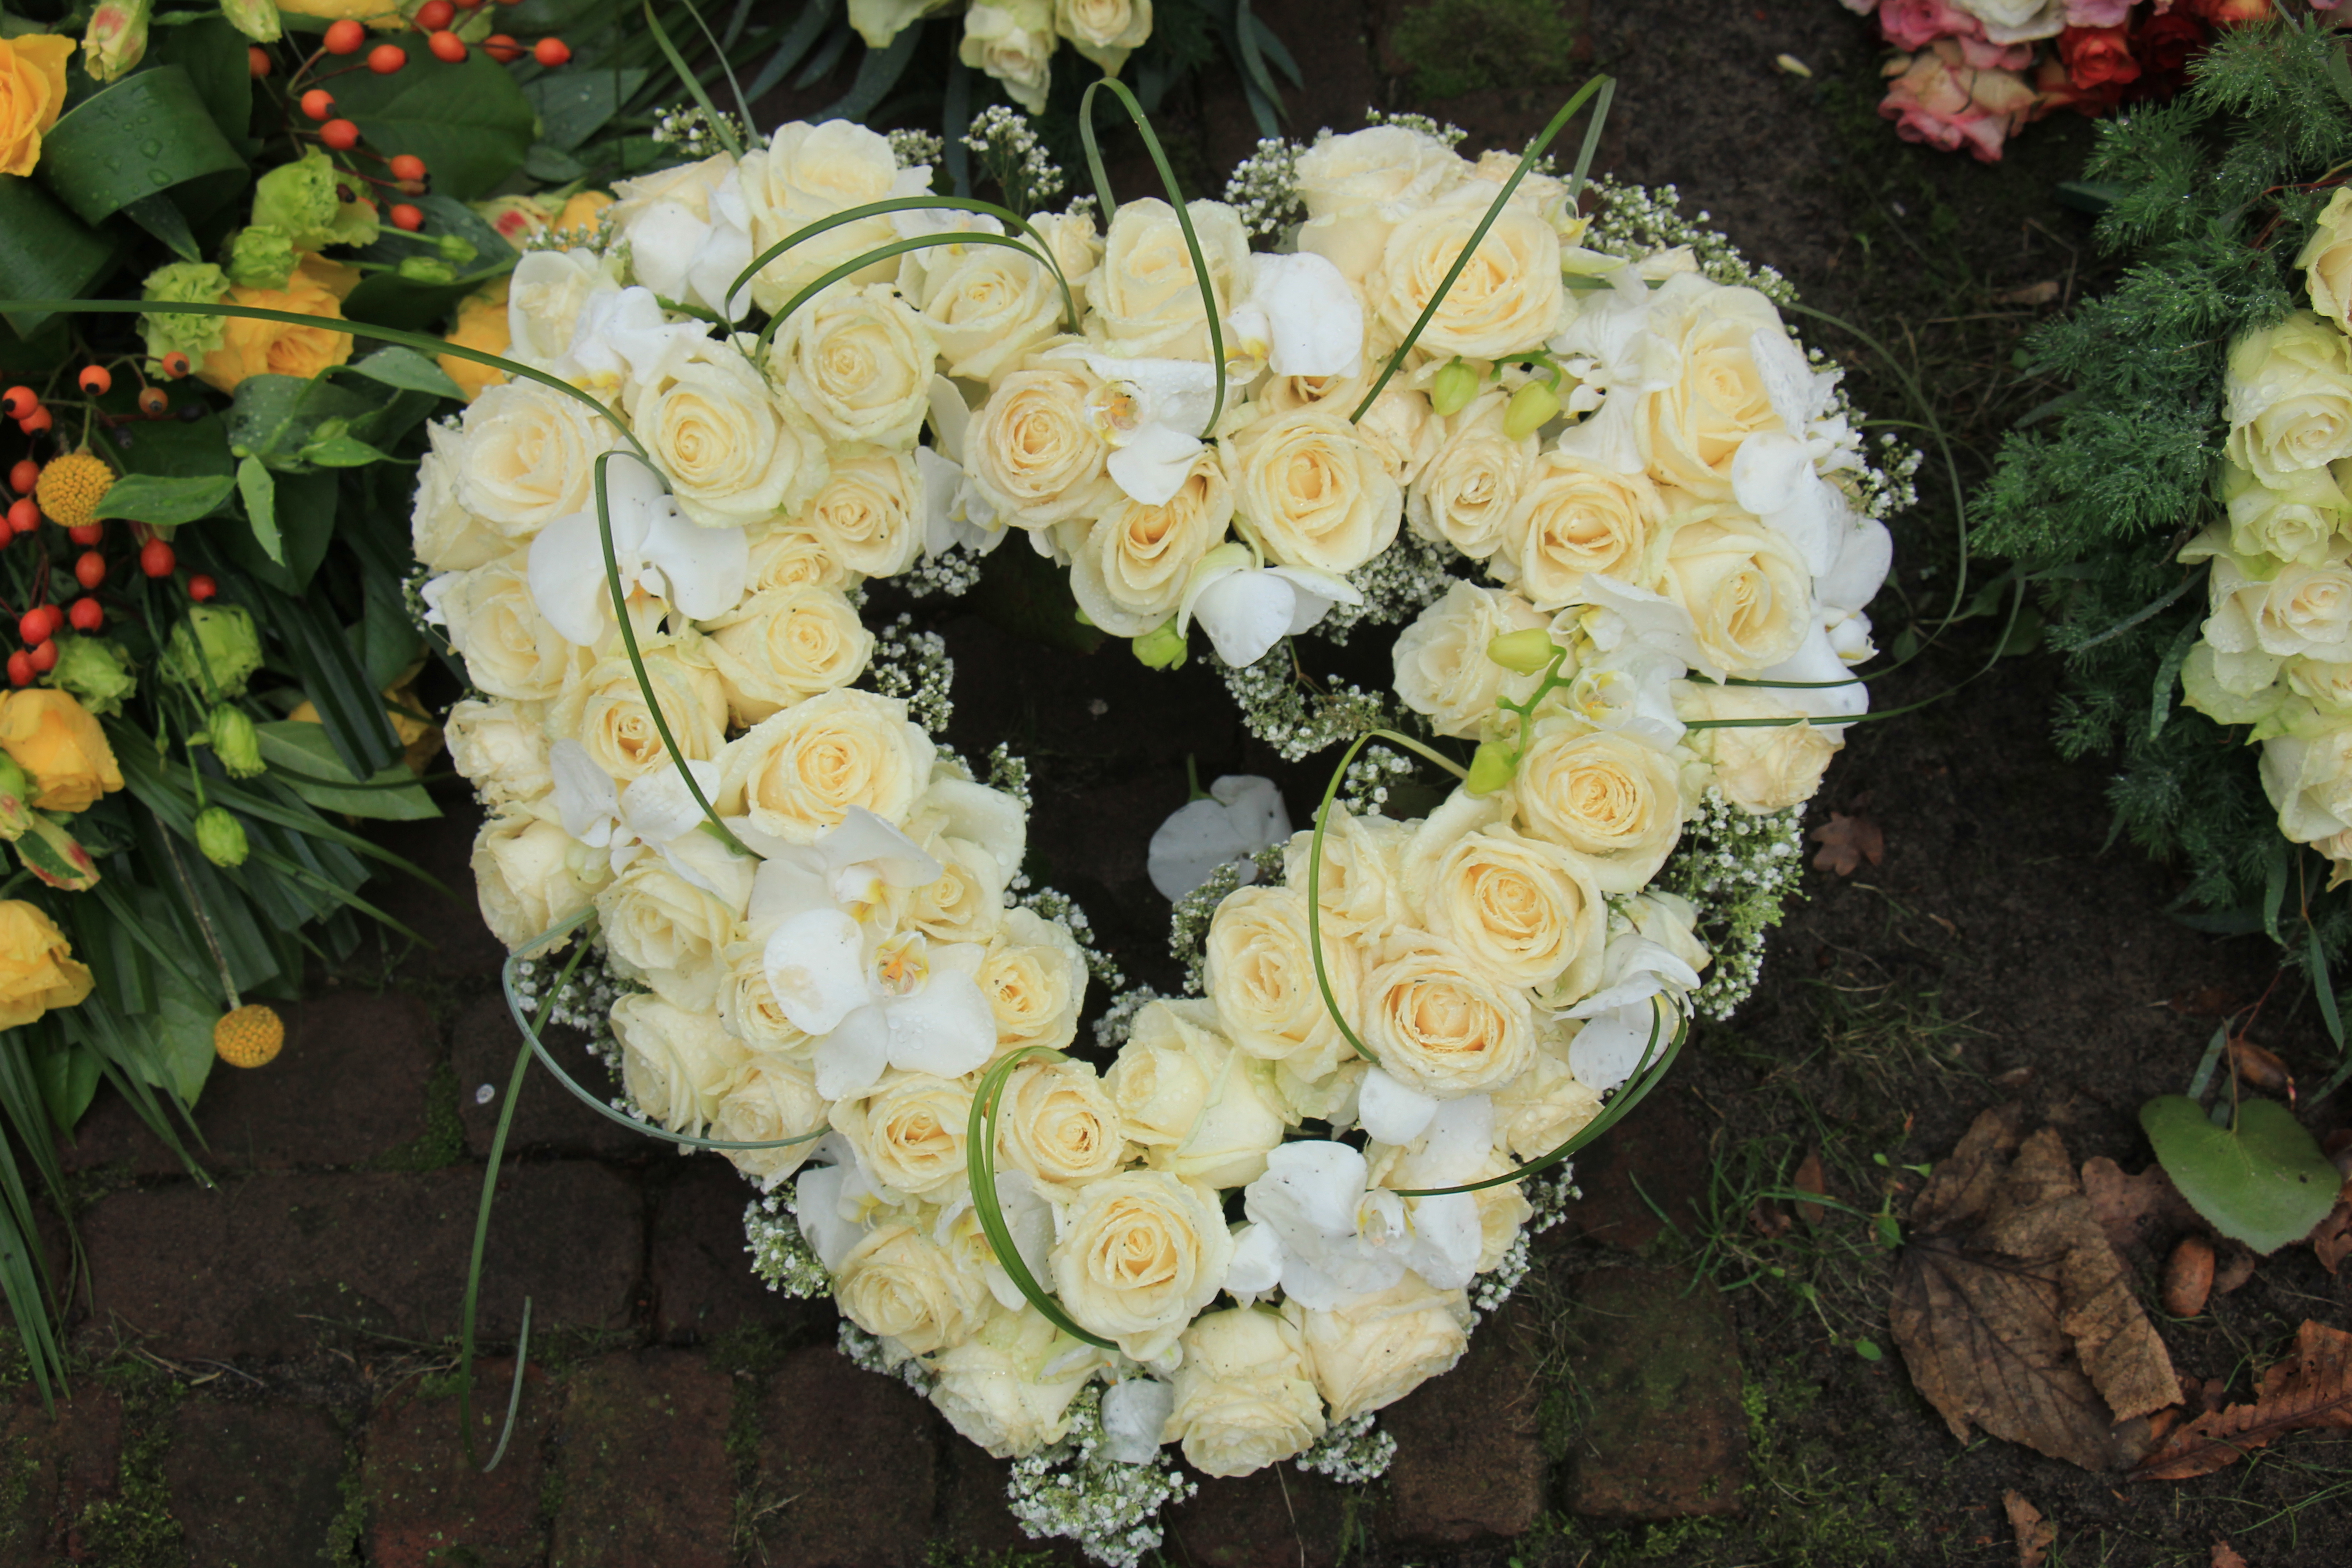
(2210, 196)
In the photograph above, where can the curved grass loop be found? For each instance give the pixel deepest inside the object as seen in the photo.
(980, 1174)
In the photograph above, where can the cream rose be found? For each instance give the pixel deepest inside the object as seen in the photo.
(771, 1098)
(967, 902)
(604, 708)
(900, 1285)
(1468, 492)
(1260, 972)
(988, 307)
(499, 748)
(734, 453)
(2300, 519)
(444, 534)
(1525, 912)
(798, 774)
(1128, 566)
(1316, 495)
(1033, 450)
(1546, 1106)
(1748, 591)
(1144, 298)
(1105, 31)
(1441, 668)
(1137, 1255)
(1573, 517)
(509, 649)
(2257, 607)
(530, 875)
(1245, 1395)
(1758, 767)
(748, 1007)
(779, 648)
(1012, 41)
(1359, 887)
(811, 171)
(908, 1133)
(1368, 1355)
(858, 362)
(676, 1065)
(1358, 186)
(2290, 399)
(794, 556)
(1690, 432)
(2327, 260)
(869, 514)
(528, 458)
(662, 931)
(1439, 1024)
(1035, 977)
(1008, 1387)
(1198, 1108)
(1509, 299)
(1055, 1122)
(1612, 800)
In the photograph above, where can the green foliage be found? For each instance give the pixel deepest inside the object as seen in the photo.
(2097, 491)
(1467, 46)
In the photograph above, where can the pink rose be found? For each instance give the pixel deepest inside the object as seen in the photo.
(1938, 98)
(2097, 13)
(1912, 24)
(1984, 56)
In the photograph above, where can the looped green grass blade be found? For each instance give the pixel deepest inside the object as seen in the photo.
(719, 127)
(980, 1172)
(1045, 252)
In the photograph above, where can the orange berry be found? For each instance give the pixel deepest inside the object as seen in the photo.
(89, 568)
(156, 558)
(23, 516)
(175, 365)
(87, 533)
(96, 380)
(318, 103)
(40, 422)
(501, 49)
(435, 15)
(407, 166)
(340, 134)
(202, 588)
(24, 477)
(45, 658)
(551, 52)
(32, 625)
(344, 37)
(20, 669)
(447, 46)
(385, 58)
(257, 61)
(20, 402)
(86, 615)
(407, 217)
(154, 402)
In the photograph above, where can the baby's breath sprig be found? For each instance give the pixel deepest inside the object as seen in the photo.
(868, 1353)
(914, 666)
(1063, 909)
(950, 575)
(1397, 585)
(1451, 134)
(693, 133)
(1118, 1022)
(1189, 917)
(918, 149)
(781, 1255)
(1636, 220)
(1074, 1491)
(1352, 1451)
(584, 1002)
(1365, 791)
(1010, 773)
(1009, 149)
(1280, 709)
(1740, 869)
(1265, 187)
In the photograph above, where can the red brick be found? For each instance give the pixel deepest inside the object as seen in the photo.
(701, 1274)
(52, 1466)
(1468, 1466)
(856, 1456)
(1658, 1363)
(1647, 1159)
(641, 1455)
(253, 1485)
(429, 1504)
(349, 1087)
(267, 1265)
(975, 1526)
(550, 1117)
(1280, 1517)
(443, 847)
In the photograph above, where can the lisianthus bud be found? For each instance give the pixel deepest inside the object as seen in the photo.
(213, 651)
(1529, 407)
(1453, 387)
(257, 19)
(116, 38)
(1526, 650)
(234, 742)
(221, 836)
(1161, 648)
(426, 270)
(56, 857)
(15, 799)
(455, 248)
(1491, 767)
(97, 671)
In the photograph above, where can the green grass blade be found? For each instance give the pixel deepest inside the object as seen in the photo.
(719, 125)
(979, 1173)
(900, 204)
(884, 253)
(1315, 900)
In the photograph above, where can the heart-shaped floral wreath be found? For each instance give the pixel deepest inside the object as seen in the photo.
(812, 945)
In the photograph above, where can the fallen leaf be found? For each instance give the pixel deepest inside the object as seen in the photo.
(1809, 1179)
(2035, 1534)
(2014, 1313)
(2043, 293)
(2314, 1389)
(2135, 1210)
(2237, 1267)
(2188, 1277)
(2225, 1557)
(1846, 842)
(2262, 1070)
(2260, 1179)
(2331, 1239)
(2205, 1001)
(1770, 1223)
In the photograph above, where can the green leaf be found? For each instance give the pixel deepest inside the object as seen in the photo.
(305, 519)
(46, 252)
(180, 1033)
(275, 417)
(259, 491)
(214, 56)
(2262, 1182)
(468, 121)
(341, 451)
(148, 497)
(171, 448)
(407, 370)
(573, 105)
(146, 134)
(304, 758)
(68, 1076)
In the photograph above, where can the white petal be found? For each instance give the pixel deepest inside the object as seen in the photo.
(657, 806)
(816, 1204)
(703, 569)
(1316, 592)
(1255, 805)
(1316, 316)
(1796, 392)
(1151, 467)
(585, 797)
(1445, 1240)
(566, 573)
(1865, 557)
(1135, 1411)
(1608, 1048)
(1198, 838)
(1455, 1143)
(1218, 565)
(1312, 1183)
(1257, 1267)
(945, 1029)
(1817, 659)
(950, 418)
(863, 839)
(662, 240)
(815, 962)
(1245, 612)
(1391, 1112)
(852, 1059)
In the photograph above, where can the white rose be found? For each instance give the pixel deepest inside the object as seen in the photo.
(1525, 912)
(2309, 779)
(858, 362)
(1245, 1393)
(988, 307)
(2016, 21)
(1374, 1351)
(1012, 41)
(1358, 186)
(1198, 1108)
(771, 1098)
(792, 555)
(1009, 1387)
(1260, 972)
(1105, 31)
(528, 457)
(1316, 495)
(734, 452)
(2327, 260)
(499, 748)
(1760, 767)
(1748, 591)
(1612, 800)
(1035, 977)
(662, 931)
(685, 230)
(748, 1005)
(1689, 432)
(1360, 886)
(1470, 488)
(869, 515)
(676, 1065)
(1144, 298)
(811, 171)
(444, 534)
(1034, 451)
(779, 648)
(909, 1132)
(1441, 668)
(2290, 397)
(2300, 518)
(1137, 1255)
(967, 902)
(798, 774)
(1508, 299)
(528, 876)
(1128, 566)
(901, 1286)
(548, 289)
(1574, 517)
(509, 649)
(1055, 1122)
(604, 708)
(2256, 606)
(1439, 1024)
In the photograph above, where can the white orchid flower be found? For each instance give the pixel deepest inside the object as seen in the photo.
(1446, 1141)
(1615, 358)
(1616, 614)
(954, 512)
(1300, 317)
(1028, 1217)
(1257, 1267)
(652, 814)
(1628, 689)
(1823, 684)
(1644, 991)
(835, 1202)
(1241, 815)
(691, 259)
(1343, 1239)
(1247, 608)
(1150, 412)
(699, 572)
(547, 293)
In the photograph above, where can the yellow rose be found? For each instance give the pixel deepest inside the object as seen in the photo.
(604, 708)
(1748, 591)
(1468, 491)
(1439, 1024)
(967, 901)
(869, 515)
(858, 362)
(481, 324)
(1144, 300)
(32, 96)
(509, 649)
(1137, 1255)
(1441, 668)
(1525, 912)
(275, 348)
(53, 737)
(1574, 517)
(1260, 972)
(2290, 399)
(1128, 566)
(900, 1285)
(1372, 1352)
(1035, 977)
(1009, 1386)
(379, 14)
(811, 171)
(733, 451)
(1195, 1105)
(676, 1065)
(770, 1099)
(662, 931)
(2327, 260)
(798, 774)
(583, 211)
(1056, 1122)
(444, 536)
(1507, 300)
(775, 649)
(1245, 1395)
(1612, 800)
(528, 457)
(530, 875)
(909, 1132)
(987, 306)
(792, 555)
(1357, 187)
(37, 969)
(1690, 432)
(1315, 493)
(1034, 450)
(1758, 767)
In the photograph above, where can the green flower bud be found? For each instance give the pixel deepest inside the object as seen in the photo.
(55, 856)
(257, 19)
(97, 671)
(1526, 651)
(426, 270)
(1453, 387)
(185, 283)
(234, 742)
(298, 200)
(1529, 409)
(1161, 648)
(455, 248)
(261, 257)
(213, 651)
(221, 836)
(1491, 767)
(117, 39)
(15, 799)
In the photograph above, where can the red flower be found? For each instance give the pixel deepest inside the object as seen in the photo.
(2097, 58)
(2168, 43)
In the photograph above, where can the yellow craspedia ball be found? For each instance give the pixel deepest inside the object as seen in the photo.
(71, 487)
(249, 1038)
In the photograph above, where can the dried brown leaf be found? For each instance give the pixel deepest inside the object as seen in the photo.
(2134, 1211)
(1809, 1179)
(2188, 1277)
(2226, 1556)
(2237, 1267)
(1846, 842)
(2331, 1239)
(2262, 1070)
(2014, 1312)
(2035, 1534)
(2043, 293)
(2312, 1390)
